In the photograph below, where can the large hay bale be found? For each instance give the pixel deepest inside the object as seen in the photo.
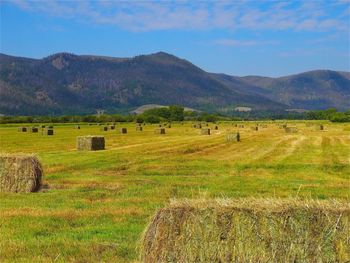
(123, 130)
(104, 128)
(205, 131)
(249, 230)
(159, 131)
(139, 128)
(34, 129)
(233, 137)
(112, 127)
(22, 129)
(90, 143)
(291, 129)
(47, 131)
(20, 173)
(77, 127)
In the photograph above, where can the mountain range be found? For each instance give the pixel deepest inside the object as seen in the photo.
(65, 83)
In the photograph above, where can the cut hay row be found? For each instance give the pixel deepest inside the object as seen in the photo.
(90, 143)
(249, 230)
(20, 173)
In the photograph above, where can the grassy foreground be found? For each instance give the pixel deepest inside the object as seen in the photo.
(95, 205)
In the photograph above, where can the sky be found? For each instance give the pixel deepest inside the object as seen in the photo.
(236, 37)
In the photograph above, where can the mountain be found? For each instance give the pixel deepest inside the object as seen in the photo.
(65, 83)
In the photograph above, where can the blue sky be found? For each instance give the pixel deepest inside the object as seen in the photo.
(242, 37)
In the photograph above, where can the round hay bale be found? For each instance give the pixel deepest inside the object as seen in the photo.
(205, 131)
(20, 173)
(159, 131)
(123, 130)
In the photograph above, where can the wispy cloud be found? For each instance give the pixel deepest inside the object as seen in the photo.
(318, 15)
(243, 43)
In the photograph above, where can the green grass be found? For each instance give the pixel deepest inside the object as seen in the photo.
(98, 203)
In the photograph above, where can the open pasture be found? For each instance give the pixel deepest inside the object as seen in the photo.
(94, 205)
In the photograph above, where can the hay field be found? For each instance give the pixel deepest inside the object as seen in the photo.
(95, 205)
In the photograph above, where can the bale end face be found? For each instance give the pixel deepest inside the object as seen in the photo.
(48, 132)
(90, 143)
(34, 129)
(20, 173)
(22, 129)
(123, 130)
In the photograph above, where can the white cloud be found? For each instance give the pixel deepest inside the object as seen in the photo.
(199, 15)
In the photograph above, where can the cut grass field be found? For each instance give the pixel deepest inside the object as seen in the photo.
(95, 205)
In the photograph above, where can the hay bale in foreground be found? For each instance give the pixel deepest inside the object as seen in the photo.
(159, 131)
(249, 230)
(20, 173)
(205, 131)
(233, 137)
(22, 129)
(90, 143)
(291, 129)
(123, 130)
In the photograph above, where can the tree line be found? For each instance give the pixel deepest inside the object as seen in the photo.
(177, 113)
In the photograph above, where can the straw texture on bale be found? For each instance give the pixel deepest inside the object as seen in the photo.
(233, 137)
(90, 143)
(159, 131)
(205, 131)
(22, 129)
(20, 173)
(249, 230)
(123, 130)
(291, 129)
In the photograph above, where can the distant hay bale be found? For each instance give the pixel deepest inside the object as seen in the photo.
(291, 129)
(22, 129)
(168, 126)
(77, 127)
(254, 128)
(139, 128)
(20, 173)
(205, 131)
(112, 127)
(42, 126)
(123, 130)
(248, 230)
(34, 129)
(104, 128)
(50, 127)
(90, 143)
(233, 137)
(216, 127)
(159, 125)
(282, 126)
(319, 127)
(240, 126)
(159, 131)
(263, 125)
(47, 131)
(197, 126)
